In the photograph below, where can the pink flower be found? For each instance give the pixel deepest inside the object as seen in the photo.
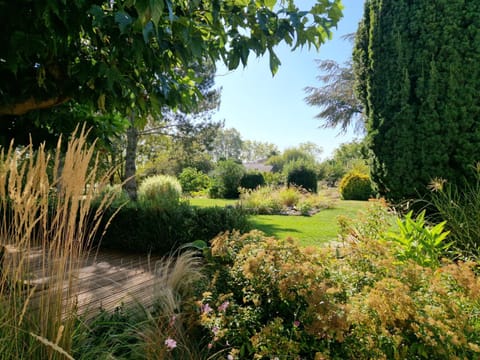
(224, 306)
(210, 345)
(215, 330)
(296, 323)
(230, 357)
(170, 343)
(206, 308)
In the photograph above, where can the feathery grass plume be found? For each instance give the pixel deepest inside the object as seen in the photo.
(45, 233)
(167, 332)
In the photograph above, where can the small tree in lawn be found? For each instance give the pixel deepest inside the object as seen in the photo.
(226, 179)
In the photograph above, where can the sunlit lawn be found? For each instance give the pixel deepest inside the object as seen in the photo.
(308, 230)
(312, 230)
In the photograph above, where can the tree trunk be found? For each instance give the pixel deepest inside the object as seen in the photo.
(130, 185)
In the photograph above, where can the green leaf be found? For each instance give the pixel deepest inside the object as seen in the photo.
(274, 61)
(233, 60)
(123, 20)
(98, 15)
(156, 8)
(270, 3)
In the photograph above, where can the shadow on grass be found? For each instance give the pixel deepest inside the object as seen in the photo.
(270, 229)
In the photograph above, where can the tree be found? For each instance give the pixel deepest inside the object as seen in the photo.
(136, 57)
(177, 140)
(125, 54)
(253, 150)
(339, 104)
(417, 64)
(293, 154)
(347, 157)
(227, 145)
(226, 179)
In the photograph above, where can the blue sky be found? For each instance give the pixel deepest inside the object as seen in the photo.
(272, 109)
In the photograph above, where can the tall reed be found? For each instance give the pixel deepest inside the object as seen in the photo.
(45, 233)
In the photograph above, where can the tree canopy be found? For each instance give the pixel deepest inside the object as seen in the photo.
(118, 55)
(336, 97)
(417, 66)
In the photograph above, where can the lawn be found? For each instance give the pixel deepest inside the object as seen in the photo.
(308, 230)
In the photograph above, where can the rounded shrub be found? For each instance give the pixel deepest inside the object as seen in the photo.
(356, 186)
(303, 174)
(193, 180)
(160, 191)
(252, 180)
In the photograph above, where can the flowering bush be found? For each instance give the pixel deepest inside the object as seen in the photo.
(270, 298)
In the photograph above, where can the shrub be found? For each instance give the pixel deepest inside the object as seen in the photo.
(160, 191)
(289, 196)
(303, 174)
(142, 228)
(227, 177)
(270, 298)
(275, 200)
(274, 179)
(264, 200)
(356, 186)
(418, 242)
(193, 180)
(252, 180)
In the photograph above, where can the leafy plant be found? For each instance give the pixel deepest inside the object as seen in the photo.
(252, 180)
(270, 298)
(226, 180)
(459, 206)
(143, 228)
(193, 180)
(355, 186)
(302, 173)
(425, 245)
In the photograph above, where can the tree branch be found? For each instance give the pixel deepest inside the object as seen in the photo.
(32, 104)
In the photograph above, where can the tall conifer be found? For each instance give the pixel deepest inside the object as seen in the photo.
(417, 66)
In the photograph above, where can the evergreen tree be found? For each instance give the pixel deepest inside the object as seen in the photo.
(417, 67)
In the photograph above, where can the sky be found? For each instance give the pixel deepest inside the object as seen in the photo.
(273, 109)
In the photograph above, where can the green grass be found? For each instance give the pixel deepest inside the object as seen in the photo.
(313, 230)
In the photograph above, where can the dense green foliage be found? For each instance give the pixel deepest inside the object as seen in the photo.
(347, 157)
(252, 180)
(315, 304)
(302, 173)
(417, 67)
(143, 229)
(356, 186)
(193, 180)
(113, 55)
(226, 180)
